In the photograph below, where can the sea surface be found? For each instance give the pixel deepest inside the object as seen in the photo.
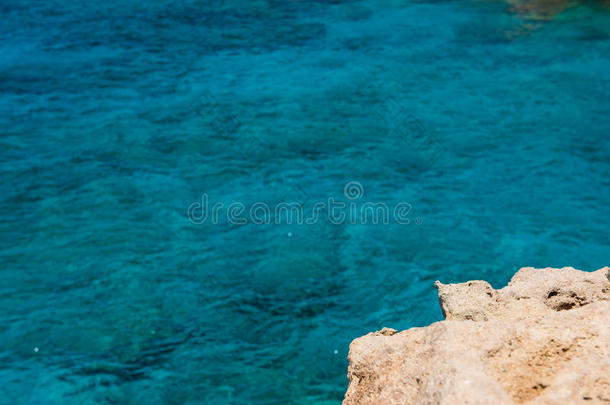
(118, 119)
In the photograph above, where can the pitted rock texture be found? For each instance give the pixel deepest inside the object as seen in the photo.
(543, 339)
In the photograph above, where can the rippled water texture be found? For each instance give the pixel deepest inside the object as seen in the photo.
(491, 119)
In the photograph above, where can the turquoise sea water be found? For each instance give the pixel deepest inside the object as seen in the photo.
(117, 116)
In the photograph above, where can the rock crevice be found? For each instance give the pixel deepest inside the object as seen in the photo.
(543, 339)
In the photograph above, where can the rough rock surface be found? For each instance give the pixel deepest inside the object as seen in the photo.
(543, 339)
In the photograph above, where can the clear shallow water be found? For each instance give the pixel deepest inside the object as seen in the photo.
(117, 116)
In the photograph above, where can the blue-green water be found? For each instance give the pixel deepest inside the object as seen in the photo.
(116, 116)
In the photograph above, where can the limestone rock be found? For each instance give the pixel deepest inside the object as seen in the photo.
(543, 339)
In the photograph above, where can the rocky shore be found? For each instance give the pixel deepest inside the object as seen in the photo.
(543, 339)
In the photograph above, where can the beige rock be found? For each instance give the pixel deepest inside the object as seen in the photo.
(543, 339)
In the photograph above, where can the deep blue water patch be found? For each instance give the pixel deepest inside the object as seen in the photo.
(116, 116)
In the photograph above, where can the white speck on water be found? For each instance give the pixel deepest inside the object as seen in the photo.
(289, 233)
(36, 350)
(336, 351)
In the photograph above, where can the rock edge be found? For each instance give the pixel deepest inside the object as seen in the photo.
(543, 339)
